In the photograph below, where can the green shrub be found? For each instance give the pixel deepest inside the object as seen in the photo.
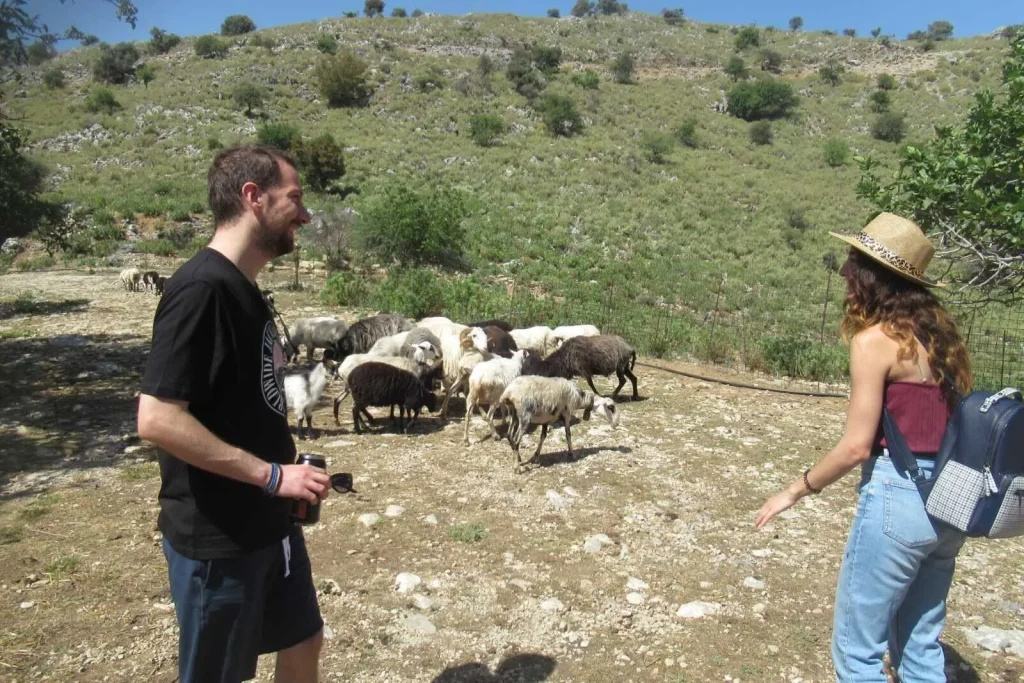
(162, 41)
(836, 152)
(399, 13)
(1012, 32)
(413, 292)
(417, 13)
(39, 52)
(749, 36)
(765, 98)
(414, 228)
(940, 30)
(587, 79)
(877, 31)
(433, 79)
(345, 289)
(850, 32)
(342, 79)
(880, 101)
(53, 79)
(887, 82)
(890, 127)
(468, 533)
(796, 23)
(41, 262)
(322, 161)
(657, 146)
(735, 68)
(521, 72)
(547, 58)
(90, 40)
(771, 61)
(800, 357)
(485, 129)
(278, 134)
(560, 115)
(761, 133)
(582, 8)
(672, 17)
(101, 100)
(686, 133)
(261, 41)
(554, 13)
(156, 247)
(237, 25)
(327, 44)
(248, 96)
(115, 64)
(106, 233)
(485, 65)
(213, 143)
(623, 68)
(178, 235)
(374, 8)
(210, 47)
(832, 72)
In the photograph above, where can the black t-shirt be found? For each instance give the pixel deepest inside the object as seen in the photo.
(215, 345)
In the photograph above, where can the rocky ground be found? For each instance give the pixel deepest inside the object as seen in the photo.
(636, 562)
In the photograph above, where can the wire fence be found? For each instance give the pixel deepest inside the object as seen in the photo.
(721, 320)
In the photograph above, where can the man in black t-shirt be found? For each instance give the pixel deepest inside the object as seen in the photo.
(213, 403)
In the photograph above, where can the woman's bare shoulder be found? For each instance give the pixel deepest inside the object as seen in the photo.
(874, 339)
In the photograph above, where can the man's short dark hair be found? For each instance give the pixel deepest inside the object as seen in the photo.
(233, 167)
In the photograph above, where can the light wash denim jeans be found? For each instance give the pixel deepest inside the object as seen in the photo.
(896, 573)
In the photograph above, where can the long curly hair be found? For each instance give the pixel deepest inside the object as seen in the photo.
(906, 311)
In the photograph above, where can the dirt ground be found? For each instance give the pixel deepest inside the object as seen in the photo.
(573, 571)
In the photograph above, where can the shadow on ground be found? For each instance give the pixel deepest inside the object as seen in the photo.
(524, 668)
(67, 401)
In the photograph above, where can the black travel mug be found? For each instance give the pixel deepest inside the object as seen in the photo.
(304, 512)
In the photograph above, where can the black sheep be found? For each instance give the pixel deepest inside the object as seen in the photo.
(604, 355)
(500, 324)
(499, 341)
(381, 385)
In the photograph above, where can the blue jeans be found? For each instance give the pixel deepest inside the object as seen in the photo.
(896, 573)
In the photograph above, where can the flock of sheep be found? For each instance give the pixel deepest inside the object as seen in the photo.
(387, 361)
(135, 280)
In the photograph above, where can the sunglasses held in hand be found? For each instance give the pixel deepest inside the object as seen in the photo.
(342, 482)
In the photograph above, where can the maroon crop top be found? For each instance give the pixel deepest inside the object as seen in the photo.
(920, 411)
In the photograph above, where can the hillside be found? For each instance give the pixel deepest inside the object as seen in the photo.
(588, 224)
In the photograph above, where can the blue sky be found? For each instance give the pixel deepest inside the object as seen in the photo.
(194, 17)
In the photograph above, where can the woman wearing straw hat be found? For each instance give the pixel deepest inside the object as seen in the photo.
(905, 354)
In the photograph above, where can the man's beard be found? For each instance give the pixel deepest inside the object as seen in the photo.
(274, 243)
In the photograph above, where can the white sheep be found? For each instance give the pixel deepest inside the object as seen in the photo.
(530, 399)
(537, 339)
(563, 332)
(314, 333)
(130, 279)
(418, 343)
(455, 340)
(469, 357)
(487, 382)
(303, 390)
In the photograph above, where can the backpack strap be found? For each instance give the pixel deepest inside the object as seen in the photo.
(900, 453)
(999, 396)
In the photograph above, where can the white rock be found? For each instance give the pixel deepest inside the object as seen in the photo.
(755, 584)
(594, 543)
(369, 519)
(406, 582)
(394, 511)
(758, 608)
(570, 491)
(340, 443)
(431, 519)
(521, 584)
(634, 598)
(556, 499)
(698, 609)
(789, 514)
(994, 639)
(328, 632)
(27, 605)
(422, 601)
(419, 625)
(762, 552)
(552, 605)
(635, 584)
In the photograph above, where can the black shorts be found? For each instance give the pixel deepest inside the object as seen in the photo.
(230, 611)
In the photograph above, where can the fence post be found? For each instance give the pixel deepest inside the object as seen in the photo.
(824, 310)
(296, 260)
(511, 302)
(714, 316)
(1002, 363)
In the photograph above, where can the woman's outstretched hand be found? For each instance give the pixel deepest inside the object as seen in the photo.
(778, 503)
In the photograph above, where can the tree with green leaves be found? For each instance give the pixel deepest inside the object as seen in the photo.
(560, 115)
(399, 13)
(832, 72)
(237, 25)
(964, 189)
(940, 30)
(796, 23)
(850, 32)
(162, 41)
(415, 228)
(583, 8)
(342, 79)
(735, 68)
(889, 127)
(875, 32)
(322, 160)
(485, 129)
(115, 64)
(248, 96)
(672, 17)
(624, 67)
(610, 7)
(145, 74)
(374, 8)
(554, 13)
(749, 36)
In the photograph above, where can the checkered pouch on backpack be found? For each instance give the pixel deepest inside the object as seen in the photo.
(978, 482)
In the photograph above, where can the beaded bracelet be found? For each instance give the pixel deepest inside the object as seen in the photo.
(808, 483)
(275, 480)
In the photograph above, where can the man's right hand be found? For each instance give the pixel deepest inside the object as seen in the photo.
(304, 481)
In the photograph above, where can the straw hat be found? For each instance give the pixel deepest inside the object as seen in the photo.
(896, 243)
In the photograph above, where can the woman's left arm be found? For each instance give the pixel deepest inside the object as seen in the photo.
(869, 367)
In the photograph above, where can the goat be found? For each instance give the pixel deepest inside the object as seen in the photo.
(304, 389)
(380, 384)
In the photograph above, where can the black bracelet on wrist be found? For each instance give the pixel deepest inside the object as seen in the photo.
(808, 483)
